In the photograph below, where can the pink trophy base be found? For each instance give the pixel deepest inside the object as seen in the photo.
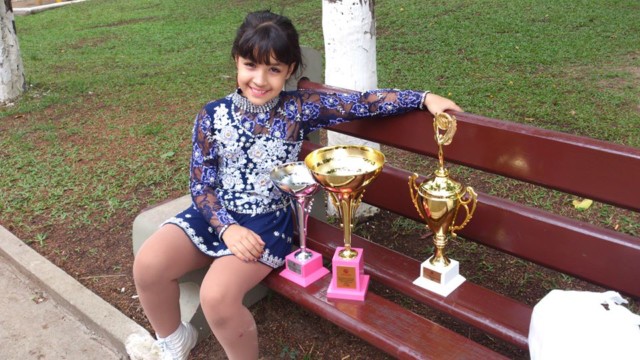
(304, 273)
(348, 281)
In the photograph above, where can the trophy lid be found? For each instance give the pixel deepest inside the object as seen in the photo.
(440, 185)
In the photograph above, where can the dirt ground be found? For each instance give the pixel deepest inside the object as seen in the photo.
(286, 330)
(100, 256)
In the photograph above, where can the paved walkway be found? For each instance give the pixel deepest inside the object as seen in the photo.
(47, 314)
(28, 7)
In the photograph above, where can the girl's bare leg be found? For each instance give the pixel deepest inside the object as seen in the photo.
(163, 258)
(221, 294)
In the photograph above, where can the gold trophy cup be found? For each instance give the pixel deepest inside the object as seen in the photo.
(344, 171)
(438, 200)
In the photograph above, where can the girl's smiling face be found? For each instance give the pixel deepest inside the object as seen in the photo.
(260, 83)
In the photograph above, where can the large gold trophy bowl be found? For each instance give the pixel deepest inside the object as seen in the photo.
(438, 200)
(344, 171)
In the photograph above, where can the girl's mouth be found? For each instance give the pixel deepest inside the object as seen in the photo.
(259, 92)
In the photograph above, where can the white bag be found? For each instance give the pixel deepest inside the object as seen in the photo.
(583, 325)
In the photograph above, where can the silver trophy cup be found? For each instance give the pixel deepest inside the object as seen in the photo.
(295, 181)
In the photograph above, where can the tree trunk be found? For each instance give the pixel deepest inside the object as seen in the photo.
(349, 31)
(350, 44)
(12, 80)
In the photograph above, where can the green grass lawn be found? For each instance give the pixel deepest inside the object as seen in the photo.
(113, 87)
(566, 65)
(139, 70)
(132, 74)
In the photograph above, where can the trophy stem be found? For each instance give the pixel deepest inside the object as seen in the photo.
(439, 258)
(346, 207)
(300, 208)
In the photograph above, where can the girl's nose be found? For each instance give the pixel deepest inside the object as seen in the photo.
(260, 78)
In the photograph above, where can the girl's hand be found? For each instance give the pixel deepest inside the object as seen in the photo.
(437, 104)
(243, 243)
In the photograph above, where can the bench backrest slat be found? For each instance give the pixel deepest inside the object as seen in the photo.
(573, 164)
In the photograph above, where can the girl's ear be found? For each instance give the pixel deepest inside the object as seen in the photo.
(290, 70)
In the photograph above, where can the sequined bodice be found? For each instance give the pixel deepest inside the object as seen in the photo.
(252, 144)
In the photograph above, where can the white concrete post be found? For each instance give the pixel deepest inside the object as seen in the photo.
(349, 30)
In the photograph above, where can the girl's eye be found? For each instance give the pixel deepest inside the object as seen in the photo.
(275, 70)
(250, 64)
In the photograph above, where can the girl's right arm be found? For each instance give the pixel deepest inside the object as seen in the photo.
(203, 175)
(242, 242)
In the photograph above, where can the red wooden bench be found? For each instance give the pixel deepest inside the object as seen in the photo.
(598, 170)
(589, 168)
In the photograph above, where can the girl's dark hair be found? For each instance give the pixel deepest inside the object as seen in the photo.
(264, 34)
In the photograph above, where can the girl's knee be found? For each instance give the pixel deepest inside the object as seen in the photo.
(218, 305)
(142, 272)
(212, 298)
(148, 269)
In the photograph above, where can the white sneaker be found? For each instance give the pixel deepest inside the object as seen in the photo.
(178, 345)
(140, 347)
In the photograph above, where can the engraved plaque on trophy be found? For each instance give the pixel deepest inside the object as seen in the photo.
(438, 200)
(303, 266)
(344, 171)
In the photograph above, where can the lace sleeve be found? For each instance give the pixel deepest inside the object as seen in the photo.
(318, 109)
(204, 173)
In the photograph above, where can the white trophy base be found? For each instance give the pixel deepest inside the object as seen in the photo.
(441, 281)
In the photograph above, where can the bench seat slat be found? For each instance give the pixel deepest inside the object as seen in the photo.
(384, 324)
(496, 314)
(597, 255)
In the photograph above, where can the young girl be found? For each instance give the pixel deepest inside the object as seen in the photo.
(239, 224)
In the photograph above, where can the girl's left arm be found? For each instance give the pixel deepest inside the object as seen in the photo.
(318, 109)
(437, 104)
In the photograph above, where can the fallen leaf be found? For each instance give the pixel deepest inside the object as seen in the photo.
(582, 204)
(167, 155)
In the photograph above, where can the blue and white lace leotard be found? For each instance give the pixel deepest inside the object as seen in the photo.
(236, 145)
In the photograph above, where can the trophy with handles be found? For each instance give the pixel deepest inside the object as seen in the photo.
(344, 171)
(438, 200)
(303, 266)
